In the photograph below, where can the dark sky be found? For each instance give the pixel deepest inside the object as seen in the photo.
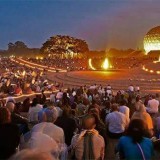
(102, 23)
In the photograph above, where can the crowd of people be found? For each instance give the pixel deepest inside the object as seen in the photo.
(16, 79)
(66, 63)
(82, 63)
(82, 123)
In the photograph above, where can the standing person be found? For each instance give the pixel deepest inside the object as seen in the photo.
(131, 88)
(33, 111)
(143, 115)
(116, 122)
(138, 102)
(52, 97)
(47, 126)
(88, 144)
(68, 125)
(17, 119)
(9, 134)
(153, 105)
(124, 109)
(134, 145)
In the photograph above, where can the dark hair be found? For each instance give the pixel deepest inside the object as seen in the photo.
(123, 102)
(89, 116)
(34, 102)
(137, 130)
(107, 104)
(4, 115)
(138, 98)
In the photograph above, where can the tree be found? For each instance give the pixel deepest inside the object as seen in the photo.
(11, 47)
(20, 45)
(64, 46)
(17, 46)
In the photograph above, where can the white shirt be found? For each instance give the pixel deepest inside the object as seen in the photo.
(109, 87)
(33, 113)
(125, 110)
(51, 130)
(116, 121)
(42, 142)
(52, 98)
(131, 88)
(109, 92)
(59, 95)
(152, 106)
(137, 88)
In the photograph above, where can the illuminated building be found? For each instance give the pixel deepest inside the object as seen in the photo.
(152, 40)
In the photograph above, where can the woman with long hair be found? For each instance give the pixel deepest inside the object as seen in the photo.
(135, 146)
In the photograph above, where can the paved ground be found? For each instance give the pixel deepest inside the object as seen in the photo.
(119, 79)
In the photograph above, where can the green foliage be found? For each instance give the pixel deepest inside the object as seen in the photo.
(64, 45)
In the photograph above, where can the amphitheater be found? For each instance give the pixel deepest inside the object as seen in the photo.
(119, 79)
(148, 81)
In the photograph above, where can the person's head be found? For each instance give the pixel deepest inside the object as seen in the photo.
(73, 112)
(66, 112)
(10, 106)
(153, 96)
(107, 104)
(114, 107)
(89, 122)
(137, 129)
(65, 95)
(34, 102)
(49, 115)
(28, 154)
(138, 98)
(123, 102)
(74, 105)
(142, 108)
(94, 111)
(10, 99)
(157, 95)
(5, 115)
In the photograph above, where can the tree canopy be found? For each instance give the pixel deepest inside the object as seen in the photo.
(64, 45)
(17, 46)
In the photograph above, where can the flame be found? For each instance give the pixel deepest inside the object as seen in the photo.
(105, 64)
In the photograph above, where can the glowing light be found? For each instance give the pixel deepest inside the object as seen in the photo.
(105, 64)
(34, 65)
(143, 68)
(24, 72)
(157, 60)
(151, 71)
(152, 40)
(90, 64)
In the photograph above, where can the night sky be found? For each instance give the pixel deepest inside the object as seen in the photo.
(102, 23)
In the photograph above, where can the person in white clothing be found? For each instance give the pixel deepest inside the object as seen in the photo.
(33, 111)
(52, 97)
(48, 127)
(116, 122)
(131, 88)
(124, 109)
(153, 105)
(59, 95)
